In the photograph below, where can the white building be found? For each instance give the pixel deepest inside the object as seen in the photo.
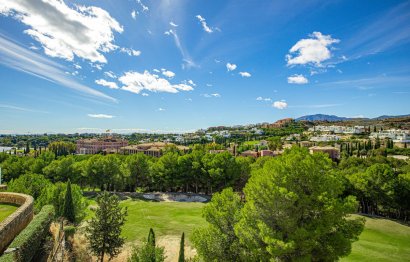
(339, 129)
(325, 138)
(397, 135)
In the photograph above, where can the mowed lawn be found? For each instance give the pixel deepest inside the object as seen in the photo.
(382, 240)
(6, 210)
(166, 218)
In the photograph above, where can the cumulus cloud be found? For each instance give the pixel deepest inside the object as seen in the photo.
(204, 24)
(280, 104)
(65, 32)
(130, 51)
(167, 73)
(245, 74)
(230, 67)
(103, 82)
(100, 116)
(313, 50)
(297, 79)
(136, 82)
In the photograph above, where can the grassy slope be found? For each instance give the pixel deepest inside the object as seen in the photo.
(382, 240)
(6, 210)
(166, 218)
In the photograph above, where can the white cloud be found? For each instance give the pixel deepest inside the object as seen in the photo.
(130, 51)
(145, 94)
(21, 59)
(186, 58)
(212, 95)
(191, 82)
(280, 104)
(313, 50)
(204, 24)
(136, 82)
(267, 99)
(103, 82)
(63, 32)
(209, 85)
(297, 79)
(134, 14)
(100, 116)
(161, 109)
(110, 74)
(77, 66)
(168, 73)
(173, 24)
(156, 70)
(245, 74)
(144, 7)
(230, 67)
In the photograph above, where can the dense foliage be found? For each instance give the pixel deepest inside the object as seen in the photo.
(293, 210)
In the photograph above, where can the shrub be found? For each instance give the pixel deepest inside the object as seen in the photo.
(30, 184)
(54, 194)
(29, 240)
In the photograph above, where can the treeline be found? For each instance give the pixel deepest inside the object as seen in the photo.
(197, 171)
(380, 184)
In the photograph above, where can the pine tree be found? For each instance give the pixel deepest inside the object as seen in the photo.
(181, 257)
(68, 211)
(104, 230)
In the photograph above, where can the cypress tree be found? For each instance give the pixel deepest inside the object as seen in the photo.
(68, 211)
(181, 257)
(151, 237)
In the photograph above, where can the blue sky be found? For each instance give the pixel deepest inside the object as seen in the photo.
(180, 65)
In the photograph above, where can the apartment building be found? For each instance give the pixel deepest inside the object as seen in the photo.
(98, 145)
(154, 149)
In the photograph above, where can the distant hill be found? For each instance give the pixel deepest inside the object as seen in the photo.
(322, 117)
(333, 118)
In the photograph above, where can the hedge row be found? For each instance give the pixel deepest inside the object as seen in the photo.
(29, 240)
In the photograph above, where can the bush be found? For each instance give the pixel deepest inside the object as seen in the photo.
(54, 194)
(29, 240)
(30, 184)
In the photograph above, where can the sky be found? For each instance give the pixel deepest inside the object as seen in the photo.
(181, 65)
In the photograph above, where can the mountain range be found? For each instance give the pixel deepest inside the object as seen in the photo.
(333, 118)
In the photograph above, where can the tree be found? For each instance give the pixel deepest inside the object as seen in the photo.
(104, 230)
(54, 194)
(148, 251)
(275, 143)
(181, 257)
(68, 211)
(294, 211)
(30, 184)
(218, 241)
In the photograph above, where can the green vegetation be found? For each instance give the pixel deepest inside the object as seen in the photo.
(148, 251)
(30, 239)
(382, 240)
(6, 210)
(104, 229)
(166, 218)
(294, 210)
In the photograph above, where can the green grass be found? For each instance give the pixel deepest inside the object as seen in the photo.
(6, 210)
(166, 218)
(382, 240)
(251, 143)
